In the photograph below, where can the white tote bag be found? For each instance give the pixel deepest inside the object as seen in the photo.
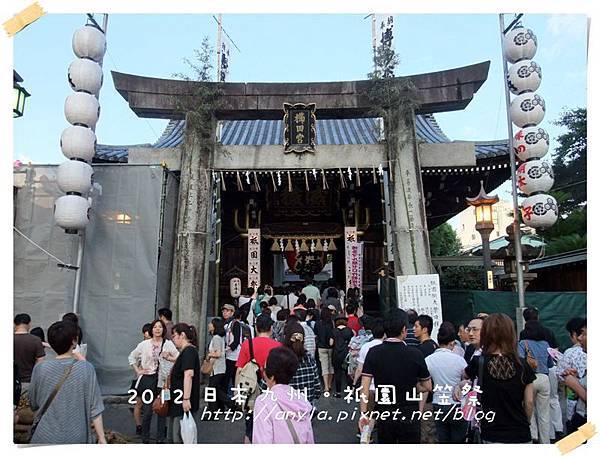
(189, 432)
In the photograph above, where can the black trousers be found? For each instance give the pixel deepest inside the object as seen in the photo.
(391, 431)
(219, 382)
(340, 378)
(150, 382)
(230, 370)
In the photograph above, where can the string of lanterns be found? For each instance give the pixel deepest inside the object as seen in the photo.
(299, 244)
(78, 141)
(534, 175)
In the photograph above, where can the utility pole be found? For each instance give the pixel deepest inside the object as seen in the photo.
(513, 176)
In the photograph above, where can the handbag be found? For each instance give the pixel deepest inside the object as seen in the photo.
(49, 400)
(160, 406)
(207, 366)
(531, 360)
(474, 430)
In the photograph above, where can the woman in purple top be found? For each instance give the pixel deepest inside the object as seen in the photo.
(281, 415)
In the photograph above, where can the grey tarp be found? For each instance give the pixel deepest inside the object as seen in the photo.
(119, 273)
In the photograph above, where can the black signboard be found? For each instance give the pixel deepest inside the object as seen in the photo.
(300, 131)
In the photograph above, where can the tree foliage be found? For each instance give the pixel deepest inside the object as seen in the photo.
(443, 241)
(570, 176)
(570, 161)
(198, 107)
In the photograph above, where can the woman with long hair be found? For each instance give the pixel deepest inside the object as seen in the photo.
(506, 383)
(216, 351)
(534, 348)
(185, 377)
(152, 360)
(307, 374)
(324, 332)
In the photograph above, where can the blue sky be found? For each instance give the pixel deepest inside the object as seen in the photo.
(287, 48)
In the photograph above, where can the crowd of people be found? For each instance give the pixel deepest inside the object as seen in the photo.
(469, 382)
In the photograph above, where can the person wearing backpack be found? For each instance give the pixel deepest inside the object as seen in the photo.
(254, 353)
(340, 340)
(534, 348)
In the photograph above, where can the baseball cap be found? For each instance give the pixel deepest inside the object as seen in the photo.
(228, 306)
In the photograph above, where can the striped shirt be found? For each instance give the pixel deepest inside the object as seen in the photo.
(79, 400)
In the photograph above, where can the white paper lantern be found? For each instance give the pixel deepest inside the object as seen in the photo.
(524, 76)
(85, 75)
(71, 212)
(539, 211)
(89, 42)
(527, 110)
(520, 43)
(75, 176)
(82, 109)
(78, 142)
(531, 143)
(535, 176)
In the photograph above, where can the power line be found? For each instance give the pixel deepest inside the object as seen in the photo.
(225, 32)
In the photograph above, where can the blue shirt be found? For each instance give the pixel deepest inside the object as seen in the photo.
(539, 349)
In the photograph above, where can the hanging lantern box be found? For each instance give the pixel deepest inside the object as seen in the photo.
(77, 142)
(539, 211)
(520, 43)
(71, 212)
(89, 43)
(527, 110)
(531, 143)
(82, 109)
(85, 75)
(524, 76)
(535, 176)
(75, 176)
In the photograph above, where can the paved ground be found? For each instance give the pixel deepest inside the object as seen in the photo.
(118, 417)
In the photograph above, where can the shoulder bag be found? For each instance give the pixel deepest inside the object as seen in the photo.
(474, 431)
(531, 360)
(160, 405)
(50, 399)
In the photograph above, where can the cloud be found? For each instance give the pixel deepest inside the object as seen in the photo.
(568, 27)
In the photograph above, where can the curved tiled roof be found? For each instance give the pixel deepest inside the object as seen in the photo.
(329, 131)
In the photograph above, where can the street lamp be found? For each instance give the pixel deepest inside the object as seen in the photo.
(484, 224)
(20, 94)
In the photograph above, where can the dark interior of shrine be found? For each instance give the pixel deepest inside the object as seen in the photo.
(316, 214)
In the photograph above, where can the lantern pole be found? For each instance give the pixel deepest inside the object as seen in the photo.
(513, 176)
(81, 240)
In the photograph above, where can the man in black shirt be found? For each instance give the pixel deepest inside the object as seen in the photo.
(423, 328)
(532, 314)
(398, 371)
(411, 339)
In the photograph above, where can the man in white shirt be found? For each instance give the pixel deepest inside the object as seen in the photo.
(312, 292)
(446, 369)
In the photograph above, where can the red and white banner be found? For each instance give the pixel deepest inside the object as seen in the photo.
(254, 258)
(350, 236)
(354, 265)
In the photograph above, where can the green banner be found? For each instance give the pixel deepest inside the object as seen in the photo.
(555, 308)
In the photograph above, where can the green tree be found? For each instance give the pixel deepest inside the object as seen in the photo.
(444, 241)
(570, 177)
(570, 162)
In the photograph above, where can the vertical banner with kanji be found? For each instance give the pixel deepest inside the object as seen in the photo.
(421, 293)
(299, 127)
(355, 264)
(350, 236)
(254, 258)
